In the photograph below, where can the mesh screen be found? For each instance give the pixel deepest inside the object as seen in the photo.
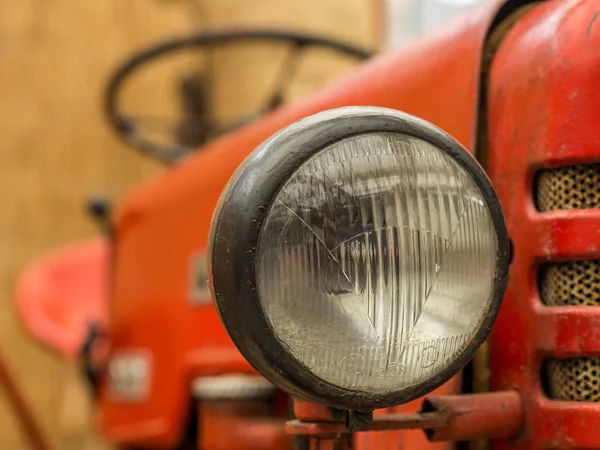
(568, 187)
(574, 379)
(572, 283)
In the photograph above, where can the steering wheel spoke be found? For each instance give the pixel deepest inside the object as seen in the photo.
(195, 127)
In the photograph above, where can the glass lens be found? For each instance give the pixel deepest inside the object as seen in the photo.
(376, 262)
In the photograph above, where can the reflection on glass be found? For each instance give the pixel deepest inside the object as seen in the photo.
(376, 262)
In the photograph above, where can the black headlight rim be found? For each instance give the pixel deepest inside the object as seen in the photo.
(236, 230)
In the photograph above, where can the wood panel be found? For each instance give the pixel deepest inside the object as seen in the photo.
(55, 152)
(352, 21)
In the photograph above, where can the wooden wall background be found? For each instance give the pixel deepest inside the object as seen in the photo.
(56, 150)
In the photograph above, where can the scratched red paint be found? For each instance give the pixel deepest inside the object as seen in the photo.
(544, 112)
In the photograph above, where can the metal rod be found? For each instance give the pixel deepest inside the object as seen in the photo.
(380, 423)
(447, 418)
(475, 416)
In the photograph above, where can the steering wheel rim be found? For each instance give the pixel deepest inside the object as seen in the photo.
(126, 129)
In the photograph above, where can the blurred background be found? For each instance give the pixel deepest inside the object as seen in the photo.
(57, 150)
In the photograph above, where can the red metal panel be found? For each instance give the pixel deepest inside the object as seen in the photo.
(543, 112)
(568, 234)
(240, 425)
(406, 439)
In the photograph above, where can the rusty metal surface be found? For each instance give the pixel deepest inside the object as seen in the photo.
(310, 412)
(443, 418)
(492, 415)
(407, 439)
(388, 422)
(543, 113)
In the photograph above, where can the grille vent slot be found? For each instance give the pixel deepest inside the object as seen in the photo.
(572, 283)
(574, 379)
(568, 187)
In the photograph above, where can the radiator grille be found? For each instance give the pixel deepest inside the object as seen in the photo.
(572, 283)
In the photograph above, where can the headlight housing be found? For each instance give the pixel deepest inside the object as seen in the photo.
(359, 258)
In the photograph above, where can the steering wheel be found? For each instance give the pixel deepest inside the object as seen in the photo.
(196, 127)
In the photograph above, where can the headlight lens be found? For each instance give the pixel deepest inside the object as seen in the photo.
(376, 262)
(358, 258)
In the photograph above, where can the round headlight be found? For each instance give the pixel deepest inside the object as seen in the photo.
(359, 258)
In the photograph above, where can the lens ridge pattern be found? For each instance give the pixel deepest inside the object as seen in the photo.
(376, 262)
